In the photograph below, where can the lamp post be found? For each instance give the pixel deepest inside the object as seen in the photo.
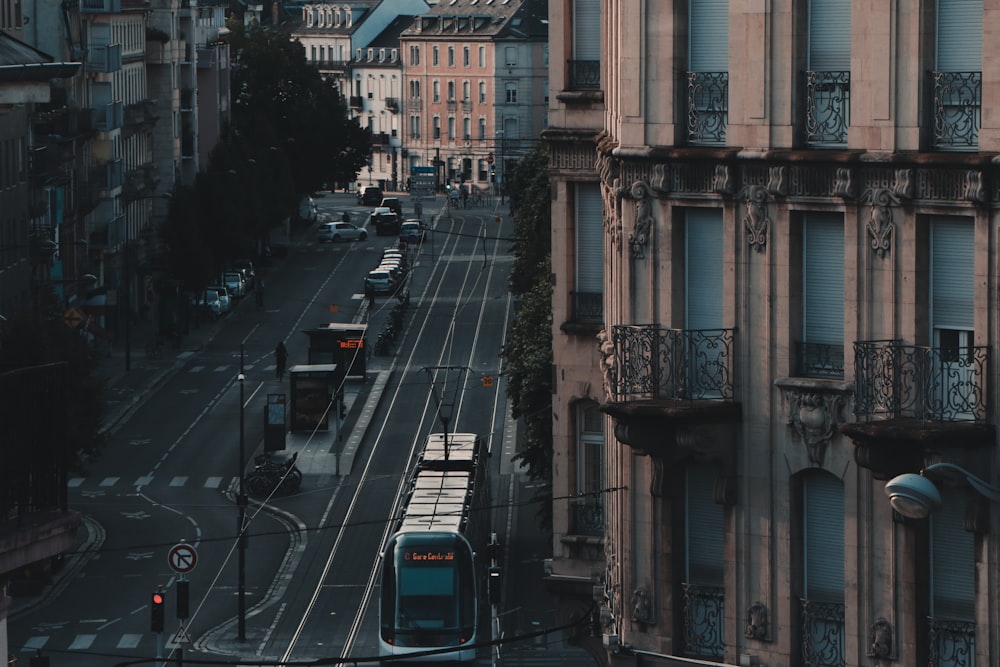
(499, 169)
(241, 503)
(915, 496)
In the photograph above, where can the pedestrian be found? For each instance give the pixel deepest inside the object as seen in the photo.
(280, 357)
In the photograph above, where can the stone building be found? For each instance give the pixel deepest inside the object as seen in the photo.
(785, 300)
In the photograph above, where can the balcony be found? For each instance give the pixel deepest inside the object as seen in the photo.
(380, 139)
(704, 613)
(100, 6)
(952, 642)
(108, 117)
(819, 360)
(392, 104)
(140, 113)
(108, 176)
(452, 105)
(823, 633)
(587, 516)
(140, 182)
(356, 102)
(707, 108)
(828, 105)
(104, 58)
(584, 74)
(586, 312)
(958, 108)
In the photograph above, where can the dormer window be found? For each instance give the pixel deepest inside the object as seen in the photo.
(357, 54)
(393, 55)
(371, 55)
(320, 18)
(307, 15)
(381, 55)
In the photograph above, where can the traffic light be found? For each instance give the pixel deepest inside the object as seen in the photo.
(494, 584)
(156, 612)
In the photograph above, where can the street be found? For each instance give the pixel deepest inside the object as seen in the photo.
(308, 574)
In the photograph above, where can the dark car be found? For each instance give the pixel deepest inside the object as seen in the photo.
(386, 224)
(393, 204)
(370, 195)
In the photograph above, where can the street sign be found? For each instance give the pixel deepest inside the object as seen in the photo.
(73, 318)
(182, 558)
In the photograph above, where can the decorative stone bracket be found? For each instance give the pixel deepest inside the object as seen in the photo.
(815, 413)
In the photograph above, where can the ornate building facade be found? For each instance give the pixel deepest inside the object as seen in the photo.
(787, 299)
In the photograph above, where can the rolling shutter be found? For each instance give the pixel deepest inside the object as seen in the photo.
(708, 40)
(952, 277)
(587, 30)
(953, 566)
(830, 35)
(703, 268)
(823, 279)
(589, 239)
(959, 36)
(705, 527)
(823, 533)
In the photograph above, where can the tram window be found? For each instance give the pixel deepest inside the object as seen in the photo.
(426, 581)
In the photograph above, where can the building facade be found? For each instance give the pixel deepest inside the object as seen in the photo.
(788, 298)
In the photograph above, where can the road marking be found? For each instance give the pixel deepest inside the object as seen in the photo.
(196, 369)
(145, 480)
(129, 641)
(35, 643)
(75, 482)
(109, 481)
(213, 482)
(180, 480)
(219, 369)
(82, 642)
(145, 555)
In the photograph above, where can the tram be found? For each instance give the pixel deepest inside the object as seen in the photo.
(433, 596)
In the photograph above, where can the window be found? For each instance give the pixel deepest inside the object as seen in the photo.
(708, 75)
(704, 577)
(451, 56)
(451, 127)
(585, 66)
(414, 89)
(588, 507)
(467, 128)
(437, 90)
(828, 75)
(414, 127)
(821, 353)
(482, 92)
(822, 554)
(482, 127)
(434, 56)
(952, 622)
(510, 56)
(511, 92)
(703, 272)
(482, 56)
(466, 90)
(437, 127)
(465, 57)
(414, 55)
(588, 220)
(957, 76)
(451, 91)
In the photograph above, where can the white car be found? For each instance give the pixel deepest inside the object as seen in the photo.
(209, 300)
(225, 302)
(379, 281)
(233, 280)
(333, 232)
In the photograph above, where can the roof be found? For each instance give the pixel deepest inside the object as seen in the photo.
(496, 18)
(389, 38)
(21, 62)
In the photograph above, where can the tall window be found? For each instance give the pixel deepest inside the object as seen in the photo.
(704, 352)
(437, 127)
(821, 353)
(952, 621)
(451, 56)
(588, 299)
(482, 92)
(482, 127)
(451, 127)
(828, 75)
(822, 569)
(414, 55)
(437, 90)
(466, 91)
(704, 578)
(435, 56)
(415, 127)
(467, 128)
(451, 91)
(511, 92)
(465, 56)
(414, 89)
(588, 506)
(708, 75)
(585, 65)
(482, 56)
(958, 77)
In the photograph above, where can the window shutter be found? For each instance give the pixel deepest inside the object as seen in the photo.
(953, 566)
(823, 497)
(708, 36)
(703, 268)
(830, 35)
(959, 36)
(952, 278)
(823, 279)
(587, 30)
(705, 527)
(589, 239)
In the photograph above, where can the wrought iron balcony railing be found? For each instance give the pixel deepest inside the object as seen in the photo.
(654, 362)
(704, 613)
(958, 109)
(819, 360)
(588, 307)
(584, 74)
(952, 643)
(896, 381)
(587, 516)
(707, 107)
(823, 634)
(828, 108)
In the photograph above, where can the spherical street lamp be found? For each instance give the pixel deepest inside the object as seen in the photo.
(915, 496)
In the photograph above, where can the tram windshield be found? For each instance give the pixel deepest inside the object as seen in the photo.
(427, 597)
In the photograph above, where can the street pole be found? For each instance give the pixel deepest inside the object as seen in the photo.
(128, 304)
(241, 501)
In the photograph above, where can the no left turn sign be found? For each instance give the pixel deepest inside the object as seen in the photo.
(182, 558)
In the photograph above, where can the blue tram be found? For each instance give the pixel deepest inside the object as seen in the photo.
(433, 595)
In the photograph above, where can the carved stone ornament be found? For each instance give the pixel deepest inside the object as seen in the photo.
(777, 181)
(756, 622)
(642, 607)
(756, 222)
(609, 169)
(607, 361)
(815, 417)
(973, 189)
(722, 180)
(643, 219)
(880, 640)
(880, 223)
(904, 184)
(843, 186)
(660, 182)
(610, 605)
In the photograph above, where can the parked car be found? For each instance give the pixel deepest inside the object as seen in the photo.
(308, 211)
(333, 232)
(394, 204)
(233, 280)
(412, 231)
(225, 301)
(386, 224)
(208, 301)
(245, 266)
(379, 281)
(370, 195)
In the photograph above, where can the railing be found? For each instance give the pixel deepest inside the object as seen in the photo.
(100, 6)
(704, 613)
(958, 108)
(952, 643)
(819, 360)
(895, 381)
(588, 307)
(822, 634)
(587, 517)
(392, 104)
(707, 107)
(355, 102)
(828, 106)
(659, 363)
(104, 58)
(584, 74)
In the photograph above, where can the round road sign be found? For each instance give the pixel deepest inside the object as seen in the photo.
(182, 558)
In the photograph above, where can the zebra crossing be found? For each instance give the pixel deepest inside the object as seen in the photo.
(86, 641)
(111, 483)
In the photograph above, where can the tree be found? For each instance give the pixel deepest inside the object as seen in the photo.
(528, 181)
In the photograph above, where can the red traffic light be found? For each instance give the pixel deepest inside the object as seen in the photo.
(157, 598)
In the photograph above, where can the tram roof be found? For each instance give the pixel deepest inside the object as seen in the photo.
(461, 451)
(439, 501)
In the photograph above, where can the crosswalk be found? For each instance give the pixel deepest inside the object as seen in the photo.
(86, 641)
(110, 483)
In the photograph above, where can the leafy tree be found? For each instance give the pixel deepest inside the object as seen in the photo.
(530, 201)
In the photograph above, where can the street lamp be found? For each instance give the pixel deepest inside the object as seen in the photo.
(915, 496)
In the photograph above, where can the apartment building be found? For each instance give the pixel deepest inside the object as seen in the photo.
(787, 300)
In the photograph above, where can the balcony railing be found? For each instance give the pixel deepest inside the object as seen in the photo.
(896, 381)
(823, 634)
(584, 74)
(828, 106)
(104, 58)
(392, 104)
(588, 307)
(100, 6)
(952, 643)
(704, 612)
(819, 360)
(653, 362)
(355, 102)
(958, 108)
(587, 517)
(707, 107)
(108, 117)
